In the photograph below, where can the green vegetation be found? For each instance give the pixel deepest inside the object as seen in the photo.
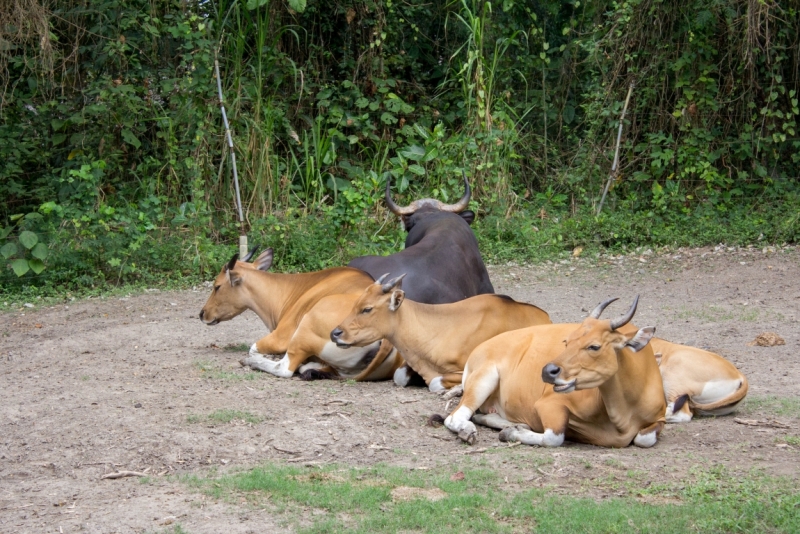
(224, 417)
(389, 499)
(772, 405)
(114, 169)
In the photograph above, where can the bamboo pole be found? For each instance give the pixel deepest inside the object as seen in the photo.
(242, 235)
(615, 166)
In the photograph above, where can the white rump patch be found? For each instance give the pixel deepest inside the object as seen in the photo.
(717, 390)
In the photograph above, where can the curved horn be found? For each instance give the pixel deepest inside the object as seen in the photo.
(232, 263)
(600, 307)
(394, 208)
(462, 204)
(250, 254)
(380, 280)
(626, 318)
(393, 283)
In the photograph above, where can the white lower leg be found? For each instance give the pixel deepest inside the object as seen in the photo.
(645, 440)
(459, 422)
(493, 420)
(529, 437)
(402, 376)
(680, 417)
(257, 361)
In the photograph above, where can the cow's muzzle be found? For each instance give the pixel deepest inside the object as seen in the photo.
(550, 373)
(336, 334)
(209, 323)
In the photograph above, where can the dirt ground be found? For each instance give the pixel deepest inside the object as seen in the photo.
(128, 383)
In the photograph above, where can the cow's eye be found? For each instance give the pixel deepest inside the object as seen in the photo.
(216, 288)
(594, 347)
(366, 310)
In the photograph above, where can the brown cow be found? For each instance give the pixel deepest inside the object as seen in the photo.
(582, 382)
(434, 339)
(697, 381)
(300, 310)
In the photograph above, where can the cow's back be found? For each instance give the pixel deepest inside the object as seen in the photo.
(441, 261)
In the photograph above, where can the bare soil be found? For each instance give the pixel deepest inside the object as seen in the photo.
(95, 386)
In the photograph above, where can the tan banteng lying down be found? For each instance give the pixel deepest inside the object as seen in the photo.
(697, 381)
(602, 391)
(300, 310)
(434, 339)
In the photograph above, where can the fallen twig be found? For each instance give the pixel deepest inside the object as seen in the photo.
(337, 401)
(476, 451)
(284, 450)
(442, 438)
(122, 474)
(765, 422)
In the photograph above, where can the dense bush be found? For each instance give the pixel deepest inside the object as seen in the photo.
(113, 161)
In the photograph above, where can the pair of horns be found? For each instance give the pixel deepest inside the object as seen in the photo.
(232, 262)
(391, 284)
(458, 207)
(623, 319)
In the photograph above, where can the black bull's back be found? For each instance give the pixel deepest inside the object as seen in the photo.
(441, 260)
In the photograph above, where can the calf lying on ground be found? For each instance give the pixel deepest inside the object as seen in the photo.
(434, 339)
(300, 312)
(697, 381)
(582, 382)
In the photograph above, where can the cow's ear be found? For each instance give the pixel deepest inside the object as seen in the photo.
(408, 221)
(468, 215)
(234, 278)
(398, 295)
(264, 261)
(641, 339)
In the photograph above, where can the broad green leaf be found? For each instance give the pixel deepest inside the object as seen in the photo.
(298, 5)
(28, 239)
(131, 139)
(20, 267)
(40, 251)
(413, 152)
(568, 114)
(432, 154)
(416, 169)
(36, 266)
(8, 250)
(58, 139)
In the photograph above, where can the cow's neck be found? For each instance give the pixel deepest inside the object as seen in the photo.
(269, 294)
(420, 328)
(616, 398)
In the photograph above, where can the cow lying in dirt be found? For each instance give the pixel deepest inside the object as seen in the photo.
(300, 312)
(697, 381)
(434, 339)
(595, 382)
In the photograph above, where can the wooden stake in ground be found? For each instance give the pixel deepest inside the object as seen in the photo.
(615, 166)
(242, 235)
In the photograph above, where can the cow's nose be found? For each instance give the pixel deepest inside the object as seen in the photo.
(550, 372)
(201, 314)
(335, 333)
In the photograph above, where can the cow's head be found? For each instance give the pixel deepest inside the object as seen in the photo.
(228, 297)
(591, 354)
(412, 213)
(373, 315)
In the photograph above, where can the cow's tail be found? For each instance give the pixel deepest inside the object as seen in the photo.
(723, 406)
(435, 420)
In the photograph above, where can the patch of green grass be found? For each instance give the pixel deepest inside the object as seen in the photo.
(368, 500)
(214, 371)
(224, 417)
(781, 406)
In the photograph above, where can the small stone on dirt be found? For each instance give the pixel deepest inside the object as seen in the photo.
(457, 476)
(767, 339)
(137, 405)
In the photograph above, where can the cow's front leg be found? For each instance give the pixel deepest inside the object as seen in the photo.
(459, 422)
(442, 383)
(496, 421)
